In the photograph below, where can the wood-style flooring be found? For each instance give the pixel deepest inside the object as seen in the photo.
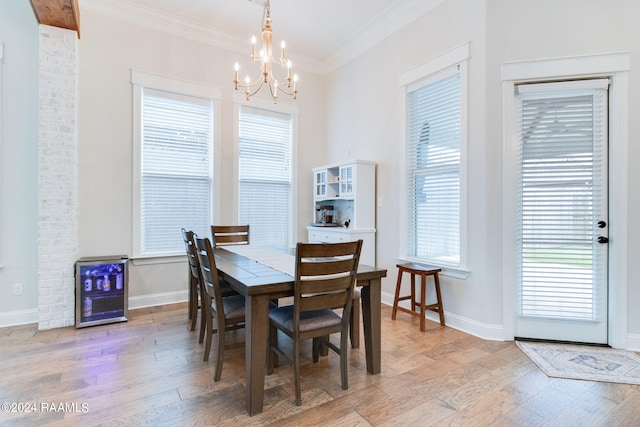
(149, 371)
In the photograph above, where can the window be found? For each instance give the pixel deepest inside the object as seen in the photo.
(265, 142)
(174, 168)
(434, 171)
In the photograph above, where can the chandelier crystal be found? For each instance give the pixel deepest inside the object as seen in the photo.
(265, 55)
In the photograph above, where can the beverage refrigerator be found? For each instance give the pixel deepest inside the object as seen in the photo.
(101, 290)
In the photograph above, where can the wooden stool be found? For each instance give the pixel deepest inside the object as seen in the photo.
(423, 271)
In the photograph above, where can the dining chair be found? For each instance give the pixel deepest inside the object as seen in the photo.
(194, 283)
(325, 277)
(230, 235)
(226, 311)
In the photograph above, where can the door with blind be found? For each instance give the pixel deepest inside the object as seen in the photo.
(563, 211)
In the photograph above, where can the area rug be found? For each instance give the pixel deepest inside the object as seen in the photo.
(583, 362)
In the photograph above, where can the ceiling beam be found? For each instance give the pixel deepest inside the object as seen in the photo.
(58, 13)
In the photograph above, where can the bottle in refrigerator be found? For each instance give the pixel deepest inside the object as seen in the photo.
(119, 278)
(106, 283)
(88, 282)
(87, 307)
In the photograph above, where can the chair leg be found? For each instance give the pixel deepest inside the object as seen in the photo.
(194, 304)
(203, 324)
(354, 324)
(296, 371)
(190, 294)
(272, 356)
(343, 361)
(316, 349)
(209, 323)
(221, 345)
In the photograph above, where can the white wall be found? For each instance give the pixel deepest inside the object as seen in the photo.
(19, 159)
(109, 49)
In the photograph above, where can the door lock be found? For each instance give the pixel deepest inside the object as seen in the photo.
(602, 239)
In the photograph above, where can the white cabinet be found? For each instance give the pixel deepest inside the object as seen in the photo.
(350, 189)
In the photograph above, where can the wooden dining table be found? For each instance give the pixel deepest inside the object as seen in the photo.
(260, 283)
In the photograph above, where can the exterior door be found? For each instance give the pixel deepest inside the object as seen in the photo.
(563, 207)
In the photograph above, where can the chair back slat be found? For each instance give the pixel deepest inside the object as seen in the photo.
(311, 250)
(326, 285)
(230, 235)
(327, 267)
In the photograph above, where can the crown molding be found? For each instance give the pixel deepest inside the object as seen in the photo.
(387, 22)
(199, 31)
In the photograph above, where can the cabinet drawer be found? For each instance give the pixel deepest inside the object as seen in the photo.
(320, 236)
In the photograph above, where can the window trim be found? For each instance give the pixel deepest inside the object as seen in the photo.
(421, 74)
(139, 81)
(281, 107)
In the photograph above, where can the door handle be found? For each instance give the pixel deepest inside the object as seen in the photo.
(602, 224)
(602, 239)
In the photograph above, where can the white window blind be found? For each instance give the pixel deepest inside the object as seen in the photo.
(433, 157)
(563, 145)
(176, 170)
(264, 173)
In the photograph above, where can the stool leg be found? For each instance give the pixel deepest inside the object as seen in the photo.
(395, 299)
(413, 292)
(423, 297)
(439, 297)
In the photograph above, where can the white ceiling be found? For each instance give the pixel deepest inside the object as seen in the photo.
(319, 34)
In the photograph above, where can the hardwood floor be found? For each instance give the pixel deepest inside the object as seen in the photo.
(149, 371)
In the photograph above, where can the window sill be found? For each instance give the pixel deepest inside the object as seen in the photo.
(158, 259)
(447, 270)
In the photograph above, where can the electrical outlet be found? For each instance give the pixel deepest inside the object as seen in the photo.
(17, 289)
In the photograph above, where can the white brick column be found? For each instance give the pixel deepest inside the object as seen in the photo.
(57, 176)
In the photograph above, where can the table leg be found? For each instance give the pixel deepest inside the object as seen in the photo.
(371, 300)
(256, 341)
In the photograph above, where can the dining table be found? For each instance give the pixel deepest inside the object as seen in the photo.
(263, 274)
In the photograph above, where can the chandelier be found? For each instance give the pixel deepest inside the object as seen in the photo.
(265, 55)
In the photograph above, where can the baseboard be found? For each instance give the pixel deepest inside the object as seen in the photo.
(19, 317)
(633, 342)
(486, 331)
(153, 300)
(469, 326)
